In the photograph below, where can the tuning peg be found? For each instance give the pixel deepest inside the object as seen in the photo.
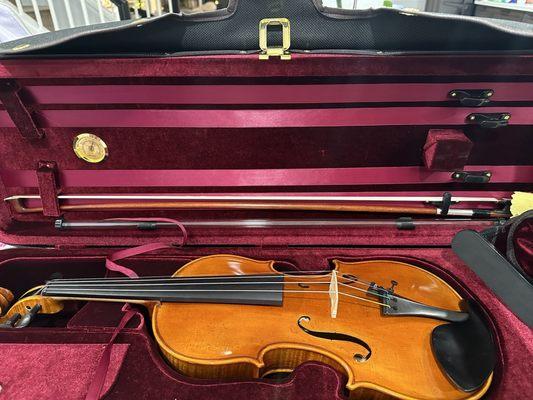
(10, 322)
(27, 318)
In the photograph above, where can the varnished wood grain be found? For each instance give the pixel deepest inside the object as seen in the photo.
(48, 306)
(246, 341)
(19, 207)
(6, 297)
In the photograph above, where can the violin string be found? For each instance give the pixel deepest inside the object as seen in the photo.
(191, 278)
(57, 292)
(55, 285)
(136, 284)
(205, 277)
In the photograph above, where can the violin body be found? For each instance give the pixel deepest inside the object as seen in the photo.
(232, 341)
(229, 317)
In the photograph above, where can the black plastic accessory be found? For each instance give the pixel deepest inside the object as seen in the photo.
(489, 120)
(472, 97)
(497, 273)
(444, 204)
(405, 224)
(472, 176)
(506, 230)
(465, 350)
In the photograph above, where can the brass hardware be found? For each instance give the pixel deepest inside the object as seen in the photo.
(274, 51)
(90, 148)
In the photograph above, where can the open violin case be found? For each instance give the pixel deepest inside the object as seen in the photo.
(370, 103)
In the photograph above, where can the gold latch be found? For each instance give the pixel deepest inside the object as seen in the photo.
(274, 51)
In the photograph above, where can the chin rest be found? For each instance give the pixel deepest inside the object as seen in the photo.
(465, 350)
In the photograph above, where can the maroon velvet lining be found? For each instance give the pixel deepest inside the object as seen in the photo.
(119, 117)
(322, 65)
(314, 149)
(144, 376)
(267, 94)
(144, 368)
(40, 371)
(446, 149)
(173, 148)
(265, 177)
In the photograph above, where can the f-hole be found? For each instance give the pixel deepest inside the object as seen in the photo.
(337, 336)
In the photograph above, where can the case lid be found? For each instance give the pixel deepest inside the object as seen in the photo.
(313, 28)
(325, 124)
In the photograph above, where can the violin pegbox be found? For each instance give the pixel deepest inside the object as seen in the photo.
(22, 312)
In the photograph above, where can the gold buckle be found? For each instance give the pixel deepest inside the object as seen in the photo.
(274, 51)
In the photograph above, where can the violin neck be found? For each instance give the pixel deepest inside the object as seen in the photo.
(249, 289)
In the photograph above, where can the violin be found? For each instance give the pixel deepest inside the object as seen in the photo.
(230, 317)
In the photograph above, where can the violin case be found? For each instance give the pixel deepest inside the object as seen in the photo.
(364, 106)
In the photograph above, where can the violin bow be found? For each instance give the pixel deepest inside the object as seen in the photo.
(293, 203)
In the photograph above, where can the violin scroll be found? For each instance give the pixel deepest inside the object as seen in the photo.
(6, 298)
(24, 310)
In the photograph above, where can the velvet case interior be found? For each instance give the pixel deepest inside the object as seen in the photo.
(255, 142)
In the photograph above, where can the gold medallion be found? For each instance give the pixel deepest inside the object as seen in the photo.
(90, 148)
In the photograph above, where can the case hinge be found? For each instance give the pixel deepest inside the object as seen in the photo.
(489, 120)
(472, 97)
(275, 51)
(18, 111)
(472, 176)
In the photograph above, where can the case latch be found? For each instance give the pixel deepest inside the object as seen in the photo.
(489, 120)
(472, 176)
(275, 51)
(472, 97)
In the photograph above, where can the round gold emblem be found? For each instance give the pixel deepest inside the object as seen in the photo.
(90, 148)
